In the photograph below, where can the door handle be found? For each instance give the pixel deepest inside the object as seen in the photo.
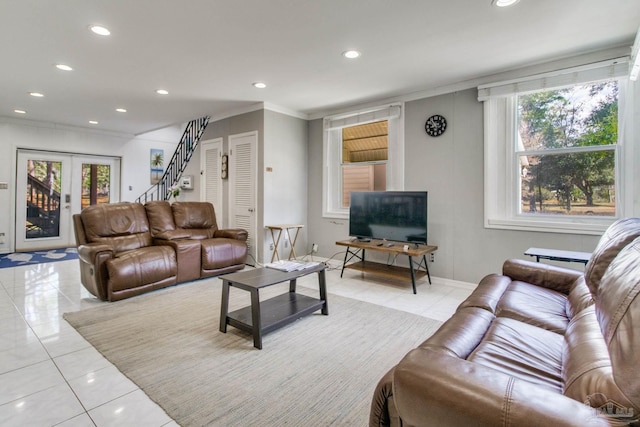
(250, 209)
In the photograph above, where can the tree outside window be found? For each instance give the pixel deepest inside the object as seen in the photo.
(566, 150)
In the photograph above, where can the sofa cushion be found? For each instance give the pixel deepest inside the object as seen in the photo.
(195, 215)
(586, 370)
(141, 267)
(618, 313)
(579, 298)
(221, 253)
(123, 226)
(522, 351)
(615, 238)
(534, 305)
(160, 216)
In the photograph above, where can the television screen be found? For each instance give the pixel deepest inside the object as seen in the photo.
(392, 215)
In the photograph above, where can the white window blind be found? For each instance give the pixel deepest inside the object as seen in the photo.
(359, 118)
(571, 76)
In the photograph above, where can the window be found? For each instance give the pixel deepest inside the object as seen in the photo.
(566, 150)
(364, 159)
(553, 153)
(363, 151)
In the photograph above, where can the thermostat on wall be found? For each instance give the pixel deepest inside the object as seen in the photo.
(186, 182)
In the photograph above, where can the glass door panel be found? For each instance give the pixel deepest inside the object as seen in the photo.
(43, 199)
(96, 184)
(43, 196)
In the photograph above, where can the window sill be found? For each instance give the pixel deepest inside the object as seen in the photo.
(336, 215)
(570, 226)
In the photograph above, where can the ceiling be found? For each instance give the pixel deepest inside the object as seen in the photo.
(207, 53)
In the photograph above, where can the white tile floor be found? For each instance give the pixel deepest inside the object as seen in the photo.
(49, 375)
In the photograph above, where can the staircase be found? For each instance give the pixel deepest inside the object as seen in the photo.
(188, 143)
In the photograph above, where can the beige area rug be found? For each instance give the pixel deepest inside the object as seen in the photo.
(318, 371)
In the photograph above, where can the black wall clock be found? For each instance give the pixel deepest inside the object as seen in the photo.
(435, 125)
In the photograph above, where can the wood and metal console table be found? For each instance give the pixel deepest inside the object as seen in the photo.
(265, 316)
(357, 249)
(279, 229)
(558, 255)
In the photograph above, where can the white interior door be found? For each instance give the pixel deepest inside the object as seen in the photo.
(211, 177)
(51, 187)
(243, 212)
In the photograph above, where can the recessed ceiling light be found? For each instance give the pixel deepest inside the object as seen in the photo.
(259, 85)
(121, 110)
(504, 3)
(162, 92)
(100, 30)
(36, 94)
(93, 122)
(20, 111)
(351, 54)
(63, 67)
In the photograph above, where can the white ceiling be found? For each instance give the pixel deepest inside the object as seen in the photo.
(207, 53)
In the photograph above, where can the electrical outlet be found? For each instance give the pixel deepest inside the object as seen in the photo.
(270, 246)
(314, 248)
(1, 238)
(286, 244)
(432, 257)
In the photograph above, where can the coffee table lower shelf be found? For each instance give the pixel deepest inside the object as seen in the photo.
(275, 312)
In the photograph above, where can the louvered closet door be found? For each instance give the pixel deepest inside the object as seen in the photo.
(211, 181)
(243, 212)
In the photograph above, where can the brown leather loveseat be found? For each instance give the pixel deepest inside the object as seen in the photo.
(538, 345)
(122, 256)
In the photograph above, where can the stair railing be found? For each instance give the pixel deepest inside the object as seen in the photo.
(188, 143)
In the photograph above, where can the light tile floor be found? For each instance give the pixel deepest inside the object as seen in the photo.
(51, 376)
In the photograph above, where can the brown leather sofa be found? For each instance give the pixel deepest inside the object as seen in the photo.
(121, 255)
(538, 345)
(216, 251)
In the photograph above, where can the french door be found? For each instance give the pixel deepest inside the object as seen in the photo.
(51, 187)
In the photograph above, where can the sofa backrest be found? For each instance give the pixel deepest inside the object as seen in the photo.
(160, 217)
(124, 226)
(617, 236)
(199, 218)
(618, 313)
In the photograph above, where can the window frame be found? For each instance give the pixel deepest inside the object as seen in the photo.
(332, 153)
(501, 155)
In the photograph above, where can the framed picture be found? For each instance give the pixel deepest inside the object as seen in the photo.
(156, 162)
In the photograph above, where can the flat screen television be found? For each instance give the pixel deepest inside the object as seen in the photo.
(399, 216)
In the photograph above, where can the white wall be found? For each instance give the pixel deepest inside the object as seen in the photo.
(133, 151)
(285, 182)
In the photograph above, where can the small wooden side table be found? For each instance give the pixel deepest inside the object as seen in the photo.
(276, 238)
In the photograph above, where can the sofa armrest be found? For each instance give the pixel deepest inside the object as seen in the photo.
(545, 275)
(232, 233)
(95, 253)
(433, 387)
(93, 267)
(188, 256)
(172, 235)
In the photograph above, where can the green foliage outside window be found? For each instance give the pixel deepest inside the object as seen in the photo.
(567, 150)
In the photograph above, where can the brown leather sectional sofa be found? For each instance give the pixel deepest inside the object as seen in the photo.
(538, 345)
(126, 249)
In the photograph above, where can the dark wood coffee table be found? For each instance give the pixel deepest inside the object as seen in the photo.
(262, 317)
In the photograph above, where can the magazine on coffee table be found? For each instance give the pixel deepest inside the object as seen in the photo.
(290, 265)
